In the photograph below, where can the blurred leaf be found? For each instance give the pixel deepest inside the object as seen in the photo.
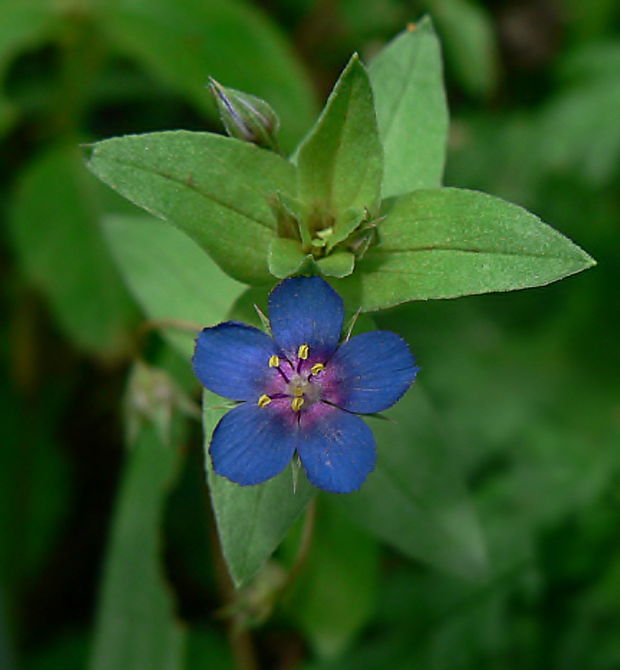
(448, 242)
(169, 275)
(135, 626)
(35, 489)
(580, 130)
(54, 221)
(24, 24)
(214, 188)
(185, 41)
(340, 162)
(415, 499)
(469, 41)
(251, 520)
(335, 593)
(412, 113)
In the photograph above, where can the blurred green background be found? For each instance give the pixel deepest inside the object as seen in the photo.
(524, 386)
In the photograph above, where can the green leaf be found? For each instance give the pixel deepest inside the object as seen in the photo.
(285, 257)
(251, 520)
(467, 33)
(415, 499)
(412, 113)
(213, 188)
(136, 628)
(169, 275)
(337, 264)
(183, 42)
(335, 593)
(340, 162)
(54, 222)
(446, 243)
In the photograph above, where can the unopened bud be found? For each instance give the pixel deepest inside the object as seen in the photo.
(245, 116)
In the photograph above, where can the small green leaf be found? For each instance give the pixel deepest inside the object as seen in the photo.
(286, 257)
(340, 162)
(136, 628)
(412, 113)
(54, 221)
(415, 500)
(214, 188)
(251, 520)
(449, 242)
(337, 264)
(169, 275)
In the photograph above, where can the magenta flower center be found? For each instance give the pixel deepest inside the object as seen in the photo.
(298, 382)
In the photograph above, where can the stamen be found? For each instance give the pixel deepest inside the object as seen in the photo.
(297, 392)
(263, 401)
(316, 368)
(296, 404)
(274, 361)
(303, 352)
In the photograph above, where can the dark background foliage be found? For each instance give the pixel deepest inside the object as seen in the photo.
(525, 385)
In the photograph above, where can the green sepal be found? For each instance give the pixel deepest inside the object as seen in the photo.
(338, 264)
(286, 257)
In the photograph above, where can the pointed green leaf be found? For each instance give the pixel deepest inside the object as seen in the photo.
(170, 276)
(251, 520)
(412, 113)
(449, 242)
(415, 500)
(54, 221)
(214, 188)
(285, 257)
(337, 264)
(136, 628)
(340, 162)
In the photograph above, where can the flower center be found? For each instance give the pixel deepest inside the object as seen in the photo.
(299, 383)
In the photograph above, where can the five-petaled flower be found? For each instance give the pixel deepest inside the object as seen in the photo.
(300, 392)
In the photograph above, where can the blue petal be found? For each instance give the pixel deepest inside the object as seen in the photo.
(337, 451)
(232, 360)
(251, 444)
(306, 310)
(370, 372)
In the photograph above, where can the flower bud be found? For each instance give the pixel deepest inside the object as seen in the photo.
(245, 116)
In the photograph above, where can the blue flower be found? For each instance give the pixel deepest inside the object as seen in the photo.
(300, 392)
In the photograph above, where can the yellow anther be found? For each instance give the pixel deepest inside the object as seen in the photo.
(303, 351)
(296, 404)
(264, 400)
(316, 368)
(297, 392)
(274, 361)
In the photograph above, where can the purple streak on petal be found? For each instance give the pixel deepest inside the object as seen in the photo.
(369, 373)
(232, 360)
(251, 444)
(337, 449)
(306, 310)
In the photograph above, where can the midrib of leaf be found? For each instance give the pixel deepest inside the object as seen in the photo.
(186, 184)
(530, 254)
